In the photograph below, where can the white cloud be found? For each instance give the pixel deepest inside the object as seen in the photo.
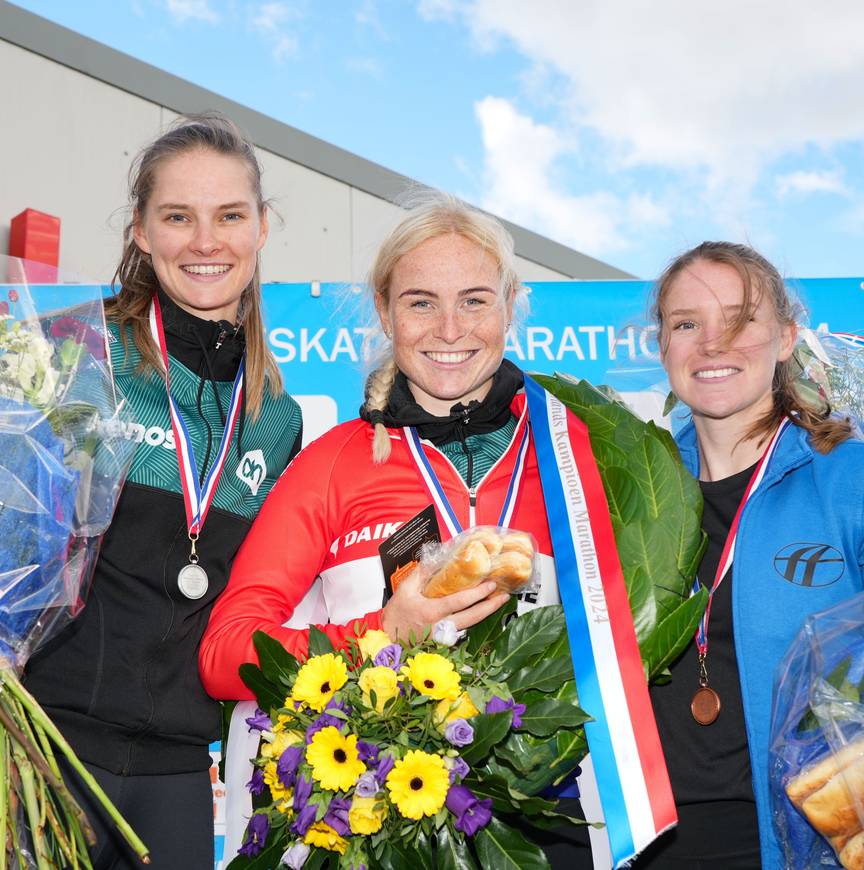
(686, 84)
(804, 182)
(197, 10)
(367, 66)
(520, 184)
(272, 20)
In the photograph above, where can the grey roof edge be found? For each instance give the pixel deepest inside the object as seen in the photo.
(97, 60)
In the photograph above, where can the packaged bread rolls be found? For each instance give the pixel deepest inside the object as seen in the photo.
(483, 553)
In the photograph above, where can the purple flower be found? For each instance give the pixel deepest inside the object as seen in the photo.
(302, 792)
(457, 767)
(286, 766)
(389, 657)
(326, 719)
(471, 814)
(337, 816)
(256, 784)
(367, 752)
(260, 721)
(367, 785)
(385, 765)
(256, 835)
(303, 820)
(459, 733)
(499, 705)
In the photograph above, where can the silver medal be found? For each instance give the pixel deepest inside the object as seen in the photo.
(192, 580)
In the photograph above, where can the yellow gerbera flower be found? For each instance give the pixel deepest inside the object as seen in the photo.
(382, 681)
(462, 708)
(271, 778)
(418, 784)
(318, 679)
(433, 675)
(334, 758)
(372, 643)
(366, 815)
(321, 834)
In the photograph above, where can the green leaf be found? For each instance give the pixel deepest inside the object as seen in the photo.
(452, 853)
(504, 848)
(489, 729)
(526, 636)
(545, 676)
(488, 629)
(275, 661)
(266, 859)
(673, 634)
(398, 855)
(670, 403)
(319, 643)
(546, 717)
(266, 693)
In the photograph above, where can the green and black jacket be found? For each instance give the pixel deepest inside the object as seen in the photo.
(121, 681)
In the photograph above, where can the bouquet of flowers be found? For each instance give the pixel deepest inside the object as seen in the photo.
(422, 755)
(388, 754)
(62, 462)
(832, 369)
(817, 745)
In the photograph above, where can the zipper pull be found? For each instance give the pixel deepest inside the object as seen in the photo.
(472, 496)
(221, 337)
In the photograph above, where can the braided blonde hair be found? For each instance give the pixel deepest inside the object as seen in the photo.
(430, 214)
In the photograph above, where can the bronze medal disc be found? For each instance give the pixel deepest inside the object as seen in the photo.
(705, 705)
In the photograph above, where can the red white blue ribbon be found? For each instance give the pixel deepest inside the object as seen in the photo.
(625, 750)
(728, 554)
(197, 496)
(436, 491)
(856, 341)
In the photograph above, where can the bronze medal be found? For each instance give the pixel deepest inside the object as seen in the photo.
(705, 705)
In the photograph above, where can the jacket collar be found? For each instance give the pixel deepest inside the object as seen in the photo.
(793, 450)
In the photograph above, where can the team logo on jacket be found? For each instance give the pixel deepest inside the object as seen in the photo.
(806, 564)
(252, 469)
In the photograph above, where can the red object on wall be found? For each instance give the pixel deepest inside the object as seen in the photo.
(35, 235)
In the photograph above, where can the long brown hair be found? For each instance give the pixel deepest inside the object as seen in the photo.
(130, 305)
(759, 276)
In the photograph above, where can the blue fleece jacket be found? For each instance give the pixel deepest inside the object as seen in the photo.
(800, 549)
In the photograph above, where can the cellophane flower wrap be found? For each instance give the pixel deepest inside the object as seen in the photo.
(63, 460)
(817, 742)
(441, 753)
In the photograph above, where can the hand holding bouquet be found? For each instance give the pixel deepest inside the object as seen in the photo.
(396, 755)
(62, 463)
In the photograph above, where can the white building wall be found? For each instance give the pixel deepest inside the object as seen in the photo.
(65, 149)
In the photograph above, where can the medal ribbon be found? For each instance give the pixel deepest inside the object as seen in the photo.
(728, 553)
(631, 778)
(197, 497)
(436, 491)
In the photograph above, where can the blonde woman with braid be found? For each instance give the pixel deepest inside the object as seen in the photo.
(444, 287)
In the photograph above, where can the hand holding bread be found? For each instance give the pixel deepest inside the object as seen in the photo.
(485, 553)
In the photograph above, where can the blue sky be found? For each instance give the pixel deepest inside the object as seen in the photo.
(626, 129)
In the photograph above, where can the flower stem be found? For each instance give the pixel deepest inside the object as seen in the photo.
(31, 806)
(5, 785)
(45, 771)
(37, 714)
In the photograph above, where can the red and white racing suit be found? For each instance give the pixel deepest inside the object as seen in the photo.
(312, 553)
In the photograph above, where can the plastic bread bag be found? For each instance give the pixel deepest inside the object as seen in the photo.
(482, 553)
(817, 742)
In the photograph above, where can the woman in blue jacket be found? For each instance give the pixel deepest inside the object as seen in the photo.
(783, 485)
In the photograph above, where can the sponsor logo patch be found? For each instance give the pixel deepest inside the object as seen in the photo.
(252, 469)
(808, 564)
